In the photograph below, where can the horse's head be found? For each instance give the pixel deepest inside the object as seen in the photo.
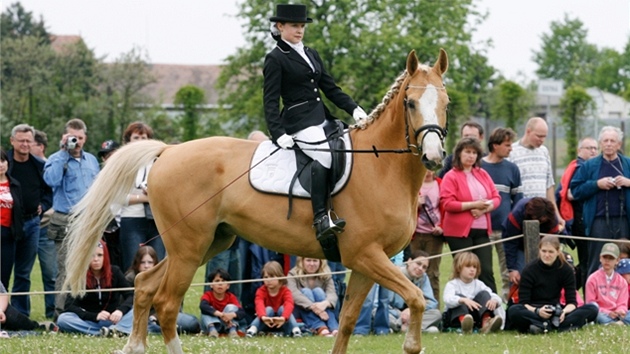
(425, 108)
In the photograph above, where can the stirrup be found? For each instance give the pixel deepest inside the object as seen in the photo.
(325, 226)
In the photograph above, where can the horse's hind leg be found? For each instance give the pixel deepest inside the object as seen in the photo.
(146, 285)
(358, 287)
(386, 274)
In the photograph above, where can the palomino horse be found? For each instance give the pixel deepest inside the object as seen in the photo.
(200, 202)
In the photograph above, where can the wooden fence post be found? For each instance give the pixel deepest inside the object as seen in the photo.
(531, 238)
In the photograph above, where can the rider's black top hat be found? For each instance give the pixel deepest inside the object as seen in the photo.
(290, 13)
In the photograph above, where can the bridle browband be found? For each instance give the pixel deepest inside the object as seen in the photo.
(430, 128)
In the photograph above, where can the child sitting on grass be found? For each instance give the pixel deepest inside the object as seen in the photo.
(608, 289)
(469, 302)
(220, 309)
(274, 304)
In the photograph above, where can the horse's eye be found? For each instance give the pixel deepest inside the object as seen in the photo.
(411, 105)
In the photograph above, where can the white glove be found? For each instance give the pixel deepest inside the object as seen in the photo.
(359, 114)
(285, 141)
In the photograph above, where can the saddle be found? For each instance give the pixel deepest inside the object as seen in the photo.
(276, 171)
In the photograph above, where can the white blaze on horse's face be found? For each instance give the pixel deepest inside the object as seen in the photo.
(431, 142)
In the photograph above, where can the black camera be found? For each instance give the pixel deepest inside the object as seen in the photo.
(556, 312)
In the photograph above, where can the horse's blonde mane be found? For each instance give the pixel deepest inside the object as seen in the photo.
(380, 108)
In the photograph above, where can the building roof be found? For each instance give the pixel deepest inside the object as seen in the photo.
(171, 77)
(59, 42)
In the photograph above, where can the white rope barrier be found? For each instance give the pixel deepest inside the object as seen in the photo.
(331, 273)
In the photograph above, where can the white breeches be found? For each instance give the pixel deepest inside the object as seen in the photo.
(313, 134)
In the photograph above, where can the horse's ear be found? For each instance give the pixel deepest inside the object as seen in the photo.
(441, 65)
(412, 62)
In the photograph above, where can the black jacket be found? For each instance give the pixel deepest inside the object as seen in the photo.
(289, 76)
(89, 306)
(46, 191)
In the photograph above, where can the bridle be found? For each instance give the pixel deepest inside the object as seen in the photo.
(429, 128)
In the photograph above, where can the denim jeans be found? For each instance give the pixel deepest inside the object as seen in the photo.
(133, 232)
(70, 322)
(286, 328)
(48, 264)
(310, 319)
(221, 327)
(381, 316)
(603, 318)
(25, 253)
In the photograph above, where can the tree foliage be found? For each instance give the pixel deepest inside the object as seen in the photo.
(190, 97)
(511, 103)
(45, 87)
(574, 106)
(364, 44)
(16, 22)
(565, 53)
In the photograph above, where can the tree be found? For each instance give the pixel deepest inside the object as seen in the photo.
(190, 97)
(124, 80)
(16, 22)
(574, 106)
(364, 44)
(511, 103)
(458, 112)
(565, 54)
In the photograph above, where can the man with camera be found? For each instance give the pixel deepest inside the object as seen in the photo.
(69, 172)
(603, 185)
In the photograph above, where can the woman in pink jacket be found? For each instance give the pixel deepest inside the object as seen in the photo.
(468, 195)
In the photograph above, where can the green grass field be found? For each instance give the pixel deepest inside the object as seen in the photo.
(593, 339)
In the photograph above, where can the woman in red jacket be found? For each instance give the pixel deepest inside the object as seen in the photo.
(468, 195)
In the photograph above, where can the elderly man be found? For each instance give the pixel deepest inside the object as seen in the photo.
(37, 197)
(571, 210)
(602, 183)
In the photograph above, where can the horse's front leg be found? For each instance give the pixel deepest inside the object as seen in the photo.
(386, 274)
(358, 287)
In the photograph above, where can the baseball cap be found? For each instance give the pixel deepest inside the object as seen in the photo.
(107, 146)
(610, 249)
(624, 266)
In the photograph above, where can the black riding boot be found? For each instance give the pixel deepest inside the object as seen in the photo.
(324, 226)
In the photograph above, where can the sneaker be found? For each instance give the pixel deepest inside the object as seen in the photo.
(233, 334)
(533, 329)
(492, 325)
(296, 332)
(251, 332)
(48, 326)
(334, 333)
(213, 333)
(431, 329)
(106, 332)
(467, 324)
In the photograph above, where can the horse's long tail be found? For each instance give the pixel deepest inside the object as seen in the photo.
(92, 214)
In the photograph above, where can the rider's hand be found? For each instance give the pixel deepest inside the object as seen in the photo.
(359, 114)
(285, 141)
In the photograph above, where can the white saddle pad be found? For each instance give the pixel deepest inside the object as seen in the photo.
(275, 173)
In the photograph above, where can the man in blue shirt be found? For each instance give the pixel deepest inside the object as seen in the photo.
(69, 172)
(507, 179)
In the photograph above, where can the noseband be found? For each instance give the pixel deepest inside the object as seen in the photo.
(429, 128)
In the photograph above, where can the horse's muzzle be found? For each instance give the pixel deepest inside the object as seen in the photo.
(433, 164)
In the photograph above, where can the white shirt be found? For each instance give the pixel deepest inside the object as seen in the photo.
(299, 48)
